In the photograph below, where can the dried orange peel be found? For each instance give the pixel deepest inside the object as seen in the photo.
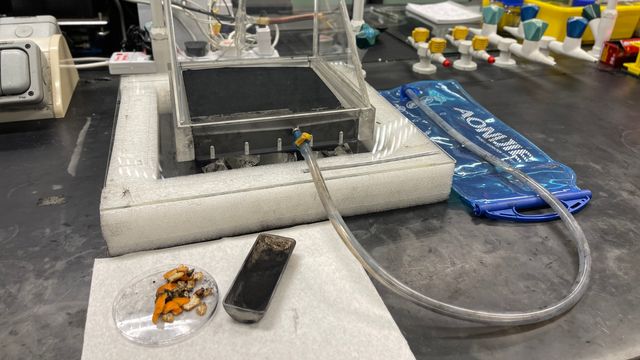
(171, 306)
(157, 310)
(179, 294)
(167, 287)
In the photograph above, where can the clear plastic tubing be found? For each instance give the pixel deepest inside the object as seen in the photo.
(486, 317)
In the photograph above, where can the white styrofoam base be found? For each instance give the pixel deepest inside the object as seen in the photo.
(141, 211)
(325, 306)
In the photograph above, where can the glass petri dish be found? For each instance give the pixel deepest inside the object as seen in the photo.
(133, 309)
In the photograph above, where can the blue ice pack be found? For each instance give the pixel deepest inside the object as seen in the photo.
(489, 192)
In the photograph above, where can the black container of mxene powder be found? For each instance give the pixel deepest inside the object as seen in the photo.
(249, 297)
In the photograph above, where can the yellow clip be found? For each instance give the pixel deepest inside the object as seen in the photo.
(304, 137)
(420, 34)
(437, 45)
(480, 42)
(634, 68)
(216, 28)
(460, 32)
(262, 20)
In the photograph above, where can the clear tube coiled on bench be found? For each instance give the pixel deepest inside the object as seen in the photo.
(486, 317)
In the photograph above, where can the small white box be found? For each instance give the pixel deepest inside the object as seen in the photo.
(131, 63)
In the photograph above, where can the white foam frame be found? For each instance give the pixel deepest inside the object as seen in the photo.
(140, 210)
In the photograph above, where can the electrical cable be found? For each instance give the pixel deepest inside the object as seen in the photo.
(122, 26)
(191, 34)
(241, 30)
(226, 5)
(92, 65)
(137, 40)
(264, 20)
(88, 59)
(380, 274)
(189, 11)
(197, 5)
(276, 38)
(182, 6)
(198, 22)
(233, 33)
(198, 25)
(201, 11)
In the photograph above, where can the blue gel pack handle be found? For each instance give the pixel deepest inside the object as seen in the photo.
(508, 210)
(488, 191)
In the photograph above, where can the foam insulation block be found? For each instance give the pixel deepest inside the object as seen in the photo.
(325, 306)
(140, 211)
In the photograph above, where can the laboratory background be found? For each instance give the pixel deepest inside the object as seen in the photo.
(319, 179)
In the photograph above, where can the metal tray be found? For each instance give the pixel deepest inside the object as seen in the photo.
(252, 290)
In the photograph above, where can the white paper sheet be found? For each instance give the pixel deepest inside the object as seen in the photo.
(325, 306)
(447, 12)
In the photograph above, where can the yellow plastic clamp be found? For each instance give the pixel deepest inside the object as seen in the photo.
(460, 32)
(480, 42)
(262, 20)
(420, 34)
(303, 138)
(437, 45)
(216, 28)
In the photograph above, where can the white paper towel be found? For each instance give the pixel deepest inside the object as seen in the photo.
(325, 306)
(447, 12)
